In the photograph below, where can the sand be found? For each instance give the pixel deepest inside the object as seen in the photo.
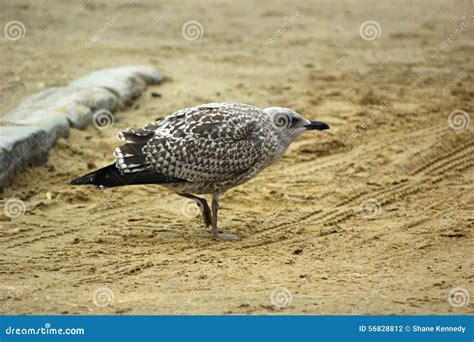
(374, 216)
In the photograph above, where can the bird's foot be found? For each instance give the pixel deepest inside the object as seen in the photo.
(224, 236)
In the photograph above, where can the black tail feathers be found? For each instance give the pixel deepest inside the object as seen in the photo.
(110, 176)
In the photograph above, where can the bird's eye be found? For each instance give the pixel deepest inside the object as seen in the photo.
(294, 121)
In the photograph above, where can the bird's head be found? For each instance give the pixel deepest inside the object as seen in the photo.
(288, 124)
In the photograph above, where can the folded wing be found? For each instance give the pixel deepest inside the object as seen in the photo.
(214, 142)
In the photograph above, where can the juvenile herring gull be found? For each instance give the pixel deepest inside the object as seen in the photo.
(206, 149)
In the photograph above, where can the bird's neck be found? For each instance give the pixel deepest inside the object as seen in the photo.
(277, 148)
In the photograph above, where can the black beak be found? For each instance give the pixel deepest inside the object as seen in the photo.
(320, 126)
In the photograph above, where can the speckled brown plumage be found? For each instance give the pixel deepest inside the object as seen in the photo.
(213, 147)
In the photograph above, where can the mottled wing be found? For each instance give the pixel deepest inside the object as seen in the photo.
(131, 157)
(214, 142)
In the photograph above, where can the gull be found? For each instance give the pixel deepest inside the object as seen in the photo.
(207, 149)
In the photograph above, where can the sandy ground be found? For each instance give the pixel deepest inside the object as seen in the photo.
(374, 216)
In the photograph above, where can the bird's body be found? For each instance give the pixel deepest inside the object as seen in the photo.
(213, 147)
(206, 149)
